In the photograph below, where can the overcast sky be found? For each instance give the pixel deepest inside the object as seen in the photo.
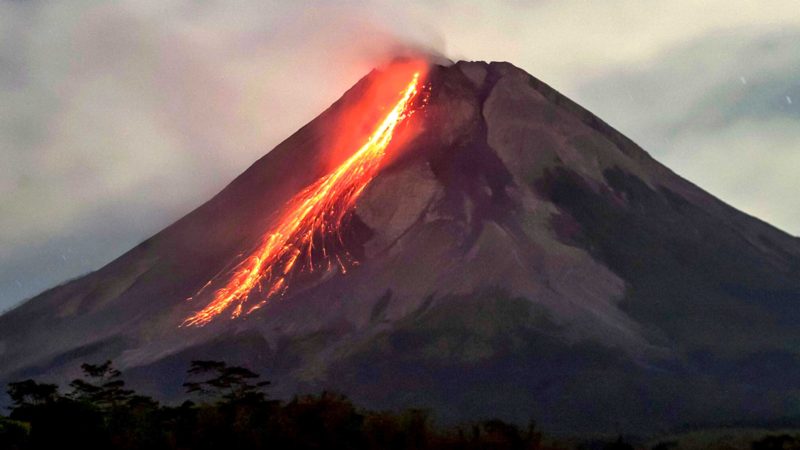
(116, 118)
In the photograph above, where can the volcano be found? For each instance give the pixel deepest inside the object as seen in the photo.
(496, 251)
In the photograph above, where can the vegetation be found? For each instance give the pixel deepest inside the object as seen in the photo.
(233, 411)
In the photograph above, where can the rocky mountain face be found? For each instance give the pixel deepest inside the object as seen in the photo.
(519, 258)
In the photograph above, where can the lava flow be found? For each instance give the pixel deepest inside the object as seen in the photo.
(317, 211)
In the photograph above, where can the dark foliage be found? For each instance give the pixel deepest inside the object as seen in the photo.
(619, 444)
(233, 384)
(232, 412)
(29, 393)
(780, 442)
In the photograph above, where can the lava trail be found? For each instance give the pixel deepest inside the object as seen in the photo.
(317, 211)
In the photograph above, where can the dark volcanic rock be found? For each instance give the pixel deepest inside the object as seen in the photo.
(519, 258)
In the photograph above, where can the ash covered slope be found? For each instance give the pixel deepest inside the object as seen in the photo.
(518, 258)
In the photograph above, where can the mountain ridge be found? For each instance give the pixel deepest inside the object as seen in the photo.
(515, 237)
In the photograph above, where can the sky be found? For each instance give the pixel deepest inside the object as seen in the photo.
(117, 118)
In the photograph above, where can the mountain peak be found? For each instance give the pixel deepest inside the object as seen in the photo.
(508, 244)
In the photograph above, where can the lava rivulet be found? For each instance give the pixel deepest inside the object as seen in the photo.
(314, 213)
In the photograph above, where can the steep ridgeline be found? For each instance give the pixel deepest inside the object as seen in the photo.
(514, 257)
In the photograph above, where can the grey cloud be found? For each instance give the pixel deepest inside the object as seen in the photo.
(706, 83)
(118, 117)
(716, 111)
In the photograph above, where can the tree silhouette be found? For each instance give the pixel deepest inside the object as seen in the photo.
(103, 387)
(99, 413)
(30, 393)
(229, 383)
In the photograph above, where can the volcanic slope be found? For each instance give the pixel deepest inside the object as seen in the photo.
(514, 257)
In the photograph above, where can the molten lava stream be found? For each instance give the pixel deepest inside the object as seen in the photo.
(316, 211)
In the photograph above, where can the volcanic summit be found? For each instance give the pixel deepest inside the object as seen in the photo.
(457, 237)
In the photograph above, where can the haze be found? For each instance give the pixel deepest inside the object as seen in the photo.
(117, 119)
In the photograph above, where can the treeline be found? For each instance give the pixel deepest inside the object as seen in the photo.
(232, 411)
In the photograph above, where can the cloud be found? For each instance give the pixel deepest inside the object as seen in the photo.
(719, 111)
(118, 118)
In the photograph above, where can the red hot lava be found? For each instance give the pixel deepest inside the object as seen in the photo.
(317, 211)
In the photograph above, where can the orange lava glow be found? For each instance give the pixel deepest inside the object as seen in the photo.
(313, 214)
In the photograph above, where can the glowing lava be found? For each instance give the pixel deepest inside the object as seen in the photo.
(312, 214)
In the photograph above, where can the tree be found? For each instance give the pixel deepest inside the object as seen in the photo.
(30, 393)
(52, 420)
(230, 383)
(14, 434)
(104, 387)
(619, 444)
